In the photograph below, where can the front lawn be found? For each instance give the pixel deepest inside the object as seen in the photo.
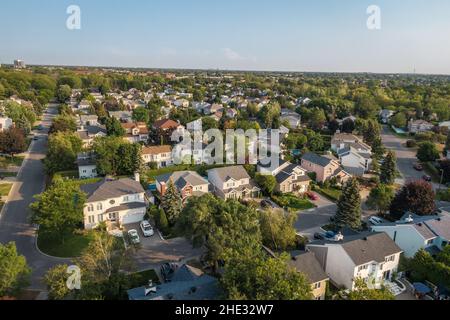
(331, 193)
(5, 188)
(72, 247)
(150, 175)
(293, 202)
(11, 161)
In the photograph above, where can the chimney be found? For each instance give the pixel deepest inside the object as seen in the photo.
(163, 188)
(137, 177)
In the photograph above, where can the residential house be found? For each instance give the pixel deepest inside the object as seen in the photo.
(232, 182)
(87, 167)
(346, 140)
(373, 257)
(187, 283)
(83, 105)
(325, 167)
(413, 233)
(181, 103)
(417, 126)
(354, 161)
(122, 116)
(159, 155)
(308, 264)
(291, 178)
(291, 117)
(136, 132)
(116, 202)
(88, 133)
(231, 113)
(167, 125)
(88, 120)
(188, 183)
(213, 109)
(5, 123)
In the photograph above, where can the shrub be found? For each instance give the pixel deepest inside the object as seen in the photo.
(411, 144)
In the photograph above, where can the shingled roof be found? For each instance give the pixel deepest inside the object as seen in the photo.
(307, 263)
(107, 189)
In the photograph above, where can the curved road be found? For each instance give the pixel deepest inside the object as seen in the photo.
(14, 221)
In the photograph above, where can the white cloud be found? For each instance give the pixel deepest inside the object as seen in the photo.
(232, 55)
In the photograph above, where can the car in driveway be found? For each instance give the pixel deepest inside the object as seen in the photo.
(418, 167)
(375, 220)
(312, 196)
(147, 229)
(134, 236)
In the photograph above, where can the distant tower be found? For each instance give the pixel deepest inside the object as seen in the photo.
(19, 64)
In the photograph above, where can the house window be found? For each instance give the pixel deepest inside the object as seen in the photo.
(90, 208)
(91, 219)
(113, 216)
(364, 267)
(125, 198)
(99, 206)
(317, 285)
(389, 259)
(100, 218)
(430, 241)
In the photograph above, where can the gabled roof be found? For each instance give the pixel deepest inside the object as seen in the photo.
(153, 150)
(166, 124)
(227, 173)
(316, 159)
(182, 178)
(307, 263)
(107, 189)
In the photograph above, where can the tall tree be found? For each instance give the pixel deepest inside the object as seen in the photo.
(12, 141)
(277, 229)
(14, 271)
(380, 198)
(171, 203)
(141, 114)
(63, 93)
(59, 210)
(63, 123)
(349, 206)
(389, 169)
(63, 148)
(428, 152)
(266, 182)
(416, 197)
(114, 128)
(248, 275)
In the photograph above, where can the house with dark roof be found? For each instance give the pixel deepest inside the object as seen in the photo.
(187, 283)
(87, 166)
(115, 202)
(291, 178)
(373, 257)
(412, 233)
(307, 263)
(188, 183)
(233, 183)
(88, 133)
(325, 167)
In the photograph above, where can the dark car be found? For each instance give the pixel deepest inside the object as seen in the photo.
(426, 178)
(418, 167)
(319, 236)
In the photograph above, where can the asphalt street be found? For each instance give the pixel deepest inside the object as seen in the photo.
(14, 222)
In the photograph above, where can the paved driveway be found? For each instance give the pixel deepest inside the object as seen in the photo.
(154, 251)
(310, 221)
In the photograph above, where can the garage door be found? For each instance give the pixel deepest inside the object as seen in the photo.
(133, 217)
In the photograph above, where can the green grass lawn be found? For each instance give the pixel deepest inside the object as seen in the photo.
(293, 202)
(72, 247)
(5, 188)
(8, 174)
(11, 161)
(331, 193)
(1, 205)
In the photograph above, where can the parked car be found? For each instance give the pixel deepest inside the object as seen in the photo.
(375, 220)
(134, 237)
(418, 167)
(312, 196)
(147, 229)
(426, 178)
(319, 236)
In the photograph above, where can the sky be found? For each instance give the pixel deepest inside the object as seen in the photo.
(272, 35)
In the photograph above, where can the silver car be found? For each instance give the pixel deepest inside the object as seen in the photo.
(134, 236)
(147, 229)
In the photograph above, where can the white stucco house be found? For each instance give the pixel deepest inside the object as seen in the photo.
(87, 167)
(414, 233)
(116, 202)
(373, 257)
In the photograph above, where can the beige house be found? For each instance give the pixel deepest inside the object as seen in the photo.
(135, 132)
(232, 183)
(161, 155)
(307, 264)
(291, 178)
(188, 183)
(325, 167)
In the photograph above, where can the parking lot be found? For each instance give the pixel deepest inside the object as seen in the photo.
(153, 251)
